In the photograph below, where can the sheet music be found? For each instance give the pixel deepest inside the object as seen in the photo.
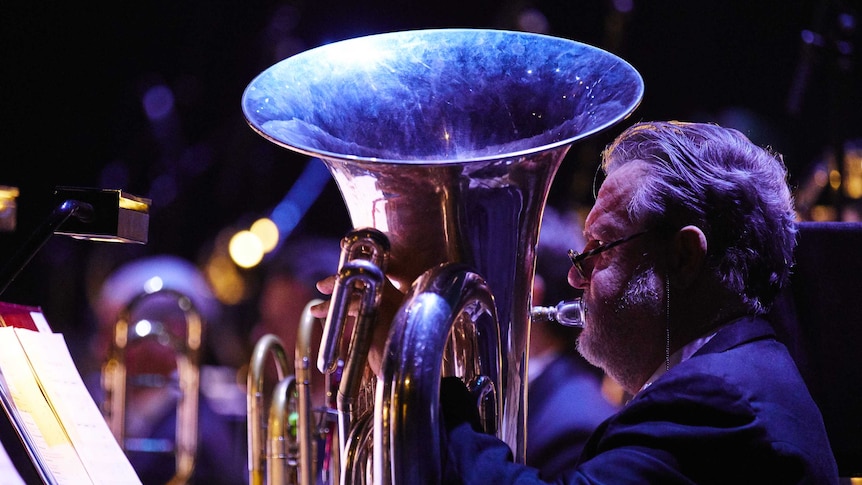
(52, 445)
(65, 391)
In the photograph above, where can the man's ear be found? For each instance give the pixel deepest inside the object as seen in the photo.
(689, 254)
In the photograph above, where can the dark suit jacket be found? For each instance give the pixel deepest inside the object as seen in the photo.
(565, 405)
(736, 412)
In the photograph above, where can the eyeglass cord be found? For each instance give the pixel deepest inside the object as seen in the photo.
(667, 324)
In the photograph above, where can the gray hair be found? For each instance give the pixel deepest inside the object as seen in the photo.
(717, 179)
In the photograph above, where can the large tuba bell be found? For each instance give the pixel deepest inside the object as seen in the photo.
(446, 142)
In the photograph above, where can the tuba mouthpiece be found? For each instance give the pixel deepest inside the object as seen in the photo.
(569, 313)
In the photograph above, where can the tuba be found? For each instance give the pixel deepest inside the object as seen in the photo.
(446, 143)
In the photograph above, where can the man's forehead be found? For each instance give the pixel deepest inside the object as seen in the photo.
(615, 194)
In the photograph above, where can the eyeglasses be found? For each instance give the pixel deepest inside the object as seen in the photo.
(580, 260)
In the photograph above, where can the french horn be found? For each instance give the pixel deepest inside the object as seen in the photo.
(446, 142)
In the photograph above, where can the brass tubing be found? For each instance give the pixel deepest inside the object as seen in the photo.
(443, 300)
(305, 420)
(370, 280)
(267, 346)
(365, 244)
(281, 445)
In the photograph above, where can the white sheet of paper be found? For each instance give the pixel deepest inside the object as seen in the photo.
(40, 322)
(102, 456)
(52, 444)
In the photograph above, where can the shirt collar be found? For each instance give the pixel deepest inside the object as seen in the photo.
(680, 356)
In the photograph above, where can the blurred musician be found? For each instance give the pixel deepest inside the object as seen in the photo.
(152, 388)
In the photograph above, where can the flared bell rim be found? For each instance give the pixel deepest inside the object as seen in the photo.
(628, 79)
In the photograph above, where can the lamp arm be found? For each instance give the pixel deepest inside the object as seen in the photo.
(69, 208)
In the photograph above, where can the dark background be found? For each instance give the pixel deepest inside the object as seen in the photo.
(74, 77)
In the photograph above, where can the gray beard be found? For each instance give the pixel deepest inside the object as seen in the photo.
(641, 291)
(618, 344)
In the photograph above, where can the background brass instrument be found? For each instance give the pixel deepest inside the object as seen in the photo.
(259, 431)
(283, 446)
(446, 142)
(187, 348)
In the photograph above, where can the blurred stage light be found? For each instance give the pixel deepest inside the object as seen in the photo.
(266, 230)
(246, 249)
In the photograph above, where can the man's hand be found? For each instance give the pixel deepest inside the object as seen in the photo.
(324, 286)
(458, 405)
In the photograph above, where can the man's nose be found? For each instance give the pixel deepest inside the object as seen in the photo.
(576, 280)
